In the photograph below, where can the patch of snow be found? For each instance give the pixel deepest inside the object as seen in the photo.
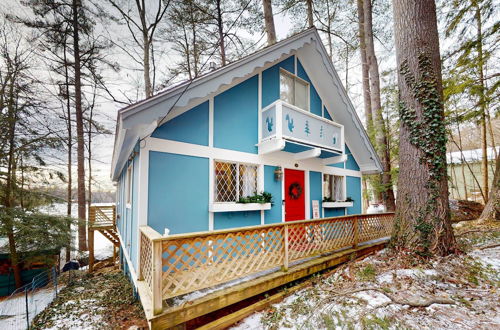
(372, 298)
(488, 257)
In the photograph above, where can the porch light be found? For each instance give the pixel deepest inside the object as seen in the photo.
(278, 173)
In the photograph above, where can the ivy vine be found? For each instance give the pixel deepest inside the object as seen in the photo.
(428, 134)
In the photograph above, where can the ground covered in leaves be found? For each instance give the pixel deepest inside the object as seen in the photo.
(394, 291)
(103, 300)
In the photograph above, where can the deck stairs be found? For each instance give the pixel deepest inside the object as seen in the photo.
(102, 218)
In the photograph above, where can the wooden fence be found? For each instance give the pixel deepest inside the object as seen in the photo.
(102, 215)
(179, 264)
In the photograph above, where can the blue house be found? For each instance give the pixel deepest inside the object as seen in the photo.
(198, 156)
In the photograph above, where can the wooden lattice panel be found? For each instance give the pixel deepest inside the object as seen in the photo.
(310, 239)
(373, 226)
(196, 263)
(191, 262)
(102, 215)
(146, 258)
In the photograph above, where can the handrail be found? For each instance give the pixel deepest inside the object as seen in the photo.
(183, 263)
(159, 237)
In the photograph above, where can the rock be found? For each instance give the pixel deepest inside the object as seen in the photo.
(463, 210)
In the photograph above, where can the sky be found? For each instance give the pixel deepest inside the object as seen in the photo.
(124, 83)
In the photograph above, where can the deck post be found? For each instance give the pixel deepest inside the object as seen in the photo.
(285, 245)
(356, 233)
(156, 285)
(91, 238)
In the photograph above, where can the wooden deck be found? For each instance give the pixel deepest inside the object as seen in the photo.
(178, 264)
(102, 218)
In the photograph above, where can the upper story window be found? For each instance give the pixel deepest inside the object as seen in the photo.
(128, 187)
(234, 180)
(294, 90)
(333, 187)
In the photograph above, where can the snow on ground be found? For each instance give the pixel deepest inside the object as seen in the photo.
(86, 314)
(13, 309)
(103, 248)
(383, 291)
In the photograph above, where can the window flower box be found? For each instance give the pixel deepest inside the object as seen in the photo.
(332, 205)
(239, 207)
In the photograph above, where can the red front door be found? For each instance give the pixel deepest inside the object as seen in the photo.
(294, 195)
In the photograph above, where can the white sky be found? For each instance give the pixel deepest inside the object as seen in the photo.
(125, 82)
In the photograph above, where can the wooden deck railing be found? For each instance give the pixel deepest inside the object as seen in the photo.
(102, 215)
(179, 264)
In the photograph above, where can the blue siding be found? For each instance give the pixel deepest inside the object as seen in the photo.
(314, 101)
(315, 182)
(327, 114)
(178, 193)
(351, 163)
(336, 212)
(236, 117)
(354, 191)
(225, 220)
(190, 127)
(271, 80)
(134, 222)
(274, 187)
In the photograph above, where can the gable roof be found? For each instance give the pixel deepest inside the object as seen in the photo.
(140, 119)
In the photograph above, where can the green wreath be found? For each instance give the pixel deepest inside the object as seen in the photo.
(295, 190)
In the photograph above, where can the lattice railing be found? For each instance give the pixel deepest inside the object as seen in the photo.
(184, 263)
(102, 215)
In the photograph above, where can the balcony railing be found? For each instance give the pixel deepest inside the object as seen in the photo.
(178, 264)
(281, 120)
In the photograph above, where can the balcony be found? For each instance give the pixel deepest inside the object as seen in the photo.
(283, 123)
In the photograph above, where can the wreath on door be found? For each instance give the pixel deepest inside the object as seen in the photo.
(295, 190)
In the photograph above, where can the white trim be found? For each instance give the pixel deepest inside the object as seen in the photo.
(131, 268)
(270, 146)
(334, 160)
(210, 192)
(259, 98)
(307, 188)
(211, 122)
(235, 207)
(279, 158)
(332, 205)
(295, 64)
(312, 153)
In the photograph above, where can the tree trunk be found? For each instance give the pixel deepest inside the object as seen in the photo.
(69, 144)
(80, 149)
(422, 222)
(310, 19)
(379, 124)
(492, 209)
(220, 27)
(146, 48)
(462, 159)
(269, 22)
(482, 103)
(10, 182)
(364, 68)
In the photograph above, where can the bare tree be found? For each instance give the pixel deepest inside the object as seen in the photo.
(422, 222)
(269, 22)
(143, 32)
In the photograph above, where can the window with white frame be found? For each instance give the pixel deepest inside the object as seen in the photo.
(128, 187)
(294, 90)
(333, 188)
(234, 180)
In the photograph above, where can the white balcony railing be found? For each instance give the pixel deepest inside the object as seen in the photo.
(281, 120)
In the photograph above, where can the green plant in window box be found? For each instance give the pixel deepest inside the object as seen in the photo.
(328, 200)
(263, 198)
(349, 199)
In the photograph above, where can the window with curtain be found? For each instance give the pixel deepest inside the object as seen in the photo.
(333, 187)
(294, 90)
(234, 180)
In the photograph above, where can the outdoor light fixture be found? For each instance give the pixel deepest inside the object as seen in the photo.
(278, 173)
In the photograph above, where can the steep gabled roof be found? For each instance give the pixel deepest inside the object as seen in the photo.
(139, 120)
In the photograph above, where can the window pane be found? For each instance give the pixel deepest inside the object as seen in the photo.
(301, 95)
(248, 180)
(286, 88)
(326, 186)
(338, 190)
(225, 182)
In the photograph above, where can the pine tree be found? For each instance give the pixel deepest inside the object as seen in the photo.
(422, 221)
